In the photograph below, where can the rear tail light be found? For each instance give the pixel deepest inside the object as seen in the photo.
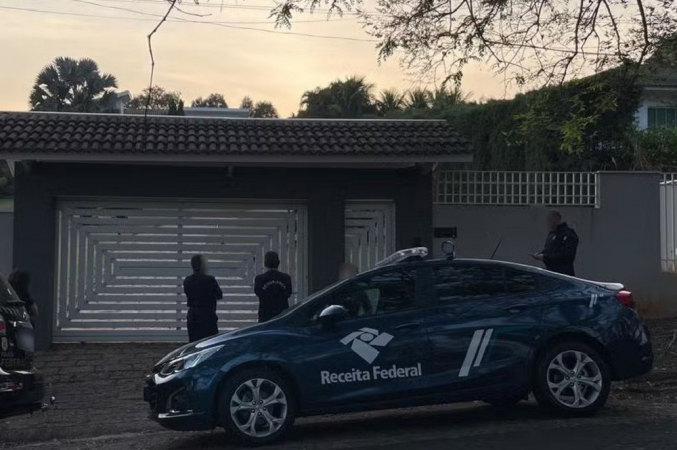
(3, 327)
(625, 299)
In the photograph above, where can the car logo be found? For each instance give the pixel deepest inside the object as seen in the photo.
(364, 341)
(5, 344)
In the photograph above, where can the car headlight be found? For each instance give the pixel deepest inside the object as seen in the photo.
(188, 361)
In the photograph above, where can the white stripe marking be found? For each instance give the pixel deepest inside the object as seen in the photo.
(592, 301)
(485, 342)
(470, 355)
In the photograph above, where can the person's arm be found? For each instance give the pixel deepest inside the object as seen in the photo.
(289, 287)
(565, 252)
(257, 286)
(217, 290)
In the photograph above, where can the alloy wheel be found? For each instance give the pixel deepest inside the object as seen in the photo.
(258, 407)
(574, 379)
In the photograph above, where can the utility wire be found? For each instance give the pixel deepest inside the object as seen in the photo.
(179, 20)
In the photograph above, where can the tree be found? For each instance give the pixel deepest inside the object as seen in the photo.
(445, 97)
(175, 108)
(212, 101)
(6, 180)
(542, 41)
(247, 103)
(264, 110)
(389, 101)
(72, 85)
(349, 98)
(160, 98)
(418, 99)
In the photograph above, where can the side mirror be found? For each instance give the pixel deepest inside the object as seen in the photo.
(331, 315)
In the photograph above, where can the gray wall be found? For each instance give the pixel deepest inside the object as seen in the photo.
(6, 236)
(619, 241)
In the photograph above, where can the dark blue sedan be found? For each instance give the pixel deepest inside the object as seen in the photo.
(410, 332)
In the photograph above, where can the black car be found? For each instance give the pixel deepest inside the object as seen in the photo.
(21, 387)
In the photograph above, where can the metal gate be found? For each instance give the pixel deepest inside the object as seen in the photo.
(369, 232)
(121, 264)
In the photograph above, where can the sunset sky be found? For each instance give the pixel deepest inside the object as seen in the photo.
(198, 58)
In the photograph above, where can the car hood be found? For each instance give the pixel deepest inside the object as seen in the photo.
(218, 340)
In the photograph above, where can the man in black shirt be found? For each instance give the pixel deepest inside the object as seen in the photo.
(559, 252)
(202, 292)
(273, 288)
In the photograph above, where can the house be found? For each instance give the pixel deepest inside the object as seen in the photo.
(108, 209)
(658, 104)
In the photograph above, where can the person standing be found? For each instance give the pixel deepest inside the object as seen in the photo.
(202, 291)
(358, 304)
(273, 288)
(20, 281)
(561, 245)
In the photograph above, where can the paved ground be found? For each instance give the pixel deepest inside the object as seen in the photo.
(98, 388)
(622, 425)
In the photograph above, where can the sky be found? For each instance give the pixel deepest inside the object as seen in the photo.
(197, 59)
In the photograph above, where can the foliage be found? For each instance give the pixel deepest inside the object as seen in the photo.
(390, 101)
(71, 85)
(175, 108)
(247, 103)
(655, 149)
(264, 110)
(542, 41)
(211, 101)
(349, 98)
(160, 98)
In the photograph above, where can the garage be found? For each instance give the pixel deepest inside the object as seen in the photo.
(121, 264)
(109, 209)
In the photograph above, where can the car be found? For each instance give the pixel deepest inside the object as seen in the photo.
(410, 332)
(21, 386)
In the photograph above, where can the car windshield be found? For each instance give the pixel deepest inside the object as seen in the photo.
(7, 294)
(312, 297)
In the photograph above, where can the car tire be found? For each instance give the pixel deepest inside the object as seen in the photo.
(572, 378)
(257, 405)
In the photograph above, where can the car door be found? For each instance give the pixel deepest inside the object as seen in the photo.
(378, 352)
(485, 327)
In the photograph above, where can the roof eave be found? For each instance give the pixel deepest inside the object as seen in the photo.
(320, 160)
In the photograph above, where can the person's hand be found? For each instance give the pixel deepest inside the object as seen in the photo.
(537, 256)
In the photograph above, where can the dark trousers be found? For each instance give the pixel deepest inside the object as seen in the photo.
(202, 323)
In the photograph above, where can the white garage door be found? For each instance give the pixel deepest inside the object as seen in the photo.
(369, 232)
(121, 265)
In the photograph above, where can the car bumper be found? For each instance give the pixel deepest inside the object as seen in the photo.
(632, 355)
(172, 404)
(26, 394)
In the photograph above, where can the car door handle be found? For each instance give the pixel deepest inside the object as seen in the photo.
(408, 326)
(516, 309)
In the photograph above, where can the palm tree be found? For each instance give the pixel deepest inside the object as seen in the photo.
(418, 99)
(445, 97)
(353, 96)
(72, 85)
(389, 101)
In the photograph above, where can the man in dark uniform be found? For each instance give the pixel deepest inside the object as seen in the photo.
(202, 292)
(357, 303)
(273, 288)
(559, 252)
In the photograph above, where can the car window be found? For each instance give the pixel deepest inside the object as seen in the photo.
(468, 282)
(476, 281)
(7, 294)
(384, 293)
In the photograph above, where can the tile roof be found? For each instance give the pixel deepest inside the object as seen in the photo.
(94, 134)
(659, 78)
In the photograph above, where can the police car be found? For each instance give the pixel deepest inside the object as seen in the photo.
(409, 332)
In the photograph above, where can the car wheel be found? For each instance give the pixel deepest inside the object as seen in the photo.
(573, 378)
(257, 405)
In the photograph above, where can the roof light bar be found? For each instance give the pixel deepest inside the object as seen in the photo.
(409, 254)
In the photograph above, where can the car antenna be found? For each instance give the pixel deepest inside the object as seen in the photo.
(496, 249)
